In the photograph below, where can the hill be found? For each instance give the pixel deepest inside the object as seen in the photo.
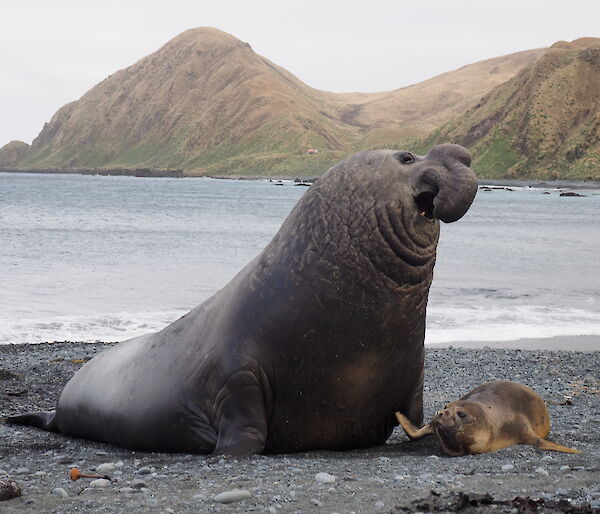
(206, 103)
(543, 123)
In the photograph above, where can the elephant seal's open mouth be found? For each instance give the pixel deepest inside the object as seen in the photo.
(424, 203)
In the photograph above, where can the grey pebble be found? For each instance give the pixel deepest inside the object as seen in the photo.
(144, 471)
(379, 504)
(126, 490)
(542, 471)
(316, 502)
(138, 483)
(232, 496)
(59, 491)
(100, 482)
(325, 478)
(105, 468)
(507, 467)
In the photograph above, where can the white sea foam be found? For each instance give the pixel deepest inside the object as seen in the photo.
(490, 323)
(444, 325)
(87, 328)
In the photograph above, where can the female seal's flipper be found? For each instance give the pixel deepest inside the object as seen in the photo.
(544, 444)
(412, 431)
(46, 420)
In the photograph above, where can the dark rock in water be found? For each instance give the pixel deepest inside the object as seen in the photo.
(302, 184)
(570, 193)
(546, 193)
(9, 489)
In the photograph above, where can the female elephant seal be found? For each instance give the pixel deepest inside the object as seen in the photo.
(490, 417)
(301, 349)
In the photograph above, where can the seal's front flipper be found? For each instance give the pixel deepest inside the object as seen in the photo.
(544, 444)
(46, 420)
(242, 427)
(412, 431)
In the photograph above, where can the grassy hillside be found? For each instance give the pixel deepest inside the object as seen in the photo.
(543, 123)
(206, 103)
(12, 153)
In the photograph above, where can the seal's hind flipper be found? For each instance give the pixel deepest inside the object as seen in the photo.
(46, 420)
(412, 431)
(544, 444)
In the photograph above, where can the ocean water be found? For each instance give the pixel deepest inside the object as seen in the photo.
(109, 258)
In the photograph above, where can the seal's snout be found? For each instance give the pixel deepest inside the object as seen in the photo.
(445, 186)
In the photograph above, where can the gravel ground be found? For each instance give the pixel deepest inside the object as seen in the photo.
(397, 477)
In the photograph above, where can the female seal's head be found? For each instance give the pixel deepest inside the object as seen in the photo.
(461, 427)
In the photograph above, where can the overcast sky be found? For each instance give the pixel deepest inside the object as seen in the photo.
(53, 51)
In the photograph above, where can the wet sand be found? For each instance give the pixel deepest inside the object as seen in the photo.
(564, 343)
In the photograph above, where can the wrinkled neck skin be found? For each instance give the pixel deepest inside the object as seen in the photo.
(359, 235)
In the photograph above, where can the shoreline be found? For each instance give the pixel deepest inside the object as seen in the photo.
(573, 343)
(585, 343)
(179, 173)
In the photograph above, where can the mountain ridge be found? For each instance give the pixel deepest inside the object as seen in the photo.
(206, 103)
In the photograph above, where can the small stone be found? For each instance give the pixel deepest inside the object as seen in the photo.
(325, 478)
(507, 467)
(235, 495)
(379, 505)
(562, 492)
(138, 483)
(547, 458)
(564, 468)
(384, 459)
(63, 459)
(316, 502)
(21, 471)
(40, 473)
(105, 468)
(119, 464)
(100, 482)
(542, 471)
(59, 491)
(101, 452)
(126, 490)
(144, 471)
(169, 510)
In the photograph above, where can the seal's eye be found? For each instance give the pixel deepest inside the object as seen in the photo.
(405, 157)
(461, 414)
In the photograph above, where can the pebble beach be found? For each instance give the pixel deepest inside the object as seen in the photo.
(401, 476)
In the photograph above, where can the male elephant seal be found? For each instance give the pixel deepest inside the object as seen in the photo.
(490, 417)
(313, 345)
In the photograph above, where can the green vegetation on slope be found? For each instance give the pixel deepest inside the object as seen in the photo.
(544, 123)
